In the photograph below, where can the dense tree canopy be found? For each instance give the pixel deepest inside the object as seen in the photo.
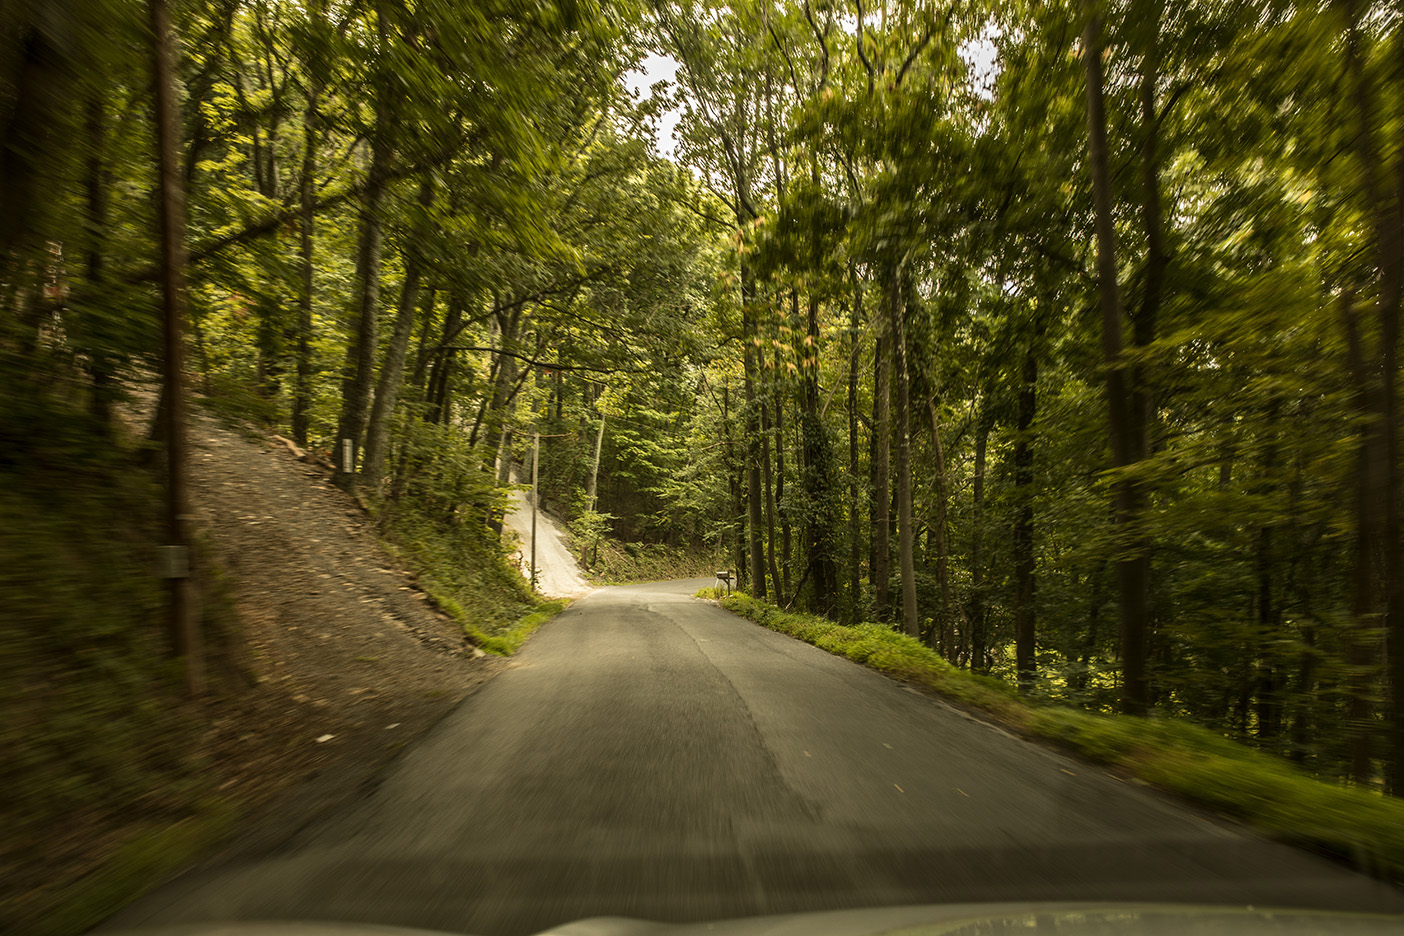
(1062, 335)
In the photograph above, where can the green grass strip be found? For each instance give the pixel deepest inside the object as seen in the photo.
(510, 641)
(1360, 826)
(142, 863)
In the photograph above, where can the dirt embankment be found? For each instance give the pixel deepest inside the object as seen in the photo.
(349, 660)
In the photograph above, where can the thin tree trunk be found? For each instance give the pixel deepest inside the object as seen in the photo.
(906, 539)
(359, 371)
(302, 387)
(817, 478)
(733, 483)
(880, 554)
(754, 440)
(768, 481)
(1133, 565)
(855, 594)
(1385, 201)
(440, 376)
(387, 392)
(952, 640)
(978, 651)
(1024, 582)
(782, 584)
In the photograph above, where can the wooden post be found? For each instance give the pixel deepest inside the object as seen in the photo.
(181, 626)
(535, 461)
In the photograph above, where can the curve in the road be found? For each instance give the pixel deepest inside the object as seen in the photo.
(651, 755)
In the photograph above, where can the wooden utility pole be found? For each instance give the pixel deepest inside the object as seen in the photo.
(535, 489)
(181, 626)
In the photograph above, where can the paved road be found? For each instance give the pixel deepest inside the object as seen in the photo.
(651, 755)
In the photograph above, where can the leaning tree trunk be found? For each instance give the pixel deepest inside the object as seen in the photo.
(359, 372)
(387, 392)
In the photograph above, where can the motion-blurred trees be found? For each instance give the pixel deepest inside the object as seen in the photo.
(1119, 422)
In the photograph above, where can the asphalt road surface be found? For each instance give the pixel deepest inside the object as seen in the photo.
(651, 755)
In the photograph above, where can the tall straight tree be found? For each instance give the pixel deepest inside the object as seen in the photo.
(722, 137)
(1133, 564)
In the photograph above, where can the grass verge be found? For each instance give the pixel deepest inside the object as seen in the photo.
(467, 576)
(140, 864)
(614, 563)
(1362, 827)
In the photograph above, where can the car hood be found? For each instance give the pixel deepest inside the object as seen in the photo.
(947, 920)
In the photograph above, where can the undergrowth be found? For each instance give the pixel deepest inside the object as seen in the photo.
(98, 746)
(1359, 826)
(466, 572)
(610, 562)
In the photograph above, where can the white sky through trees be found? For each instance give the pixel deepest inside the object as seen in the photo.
(979, 55)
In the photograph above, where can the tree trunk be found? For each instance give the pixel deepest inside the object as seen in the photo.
(768, 482)
(754, 440)
(906, 540)
(1385, 202)
(855, 536)
(880, 553)
(440, 376)
(307, 194)
(387, 392)
(978, 650)
(948, 636)
(817, 477)
(786, 541)
(1024, 582)
(1133, 567)
(733, 483)
(359, 370)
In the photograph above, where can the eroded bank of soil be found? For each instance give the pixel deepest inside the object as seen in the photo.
(349, 659)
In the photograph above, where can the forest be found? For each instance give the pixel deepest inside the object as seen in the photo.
(1062, 336)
